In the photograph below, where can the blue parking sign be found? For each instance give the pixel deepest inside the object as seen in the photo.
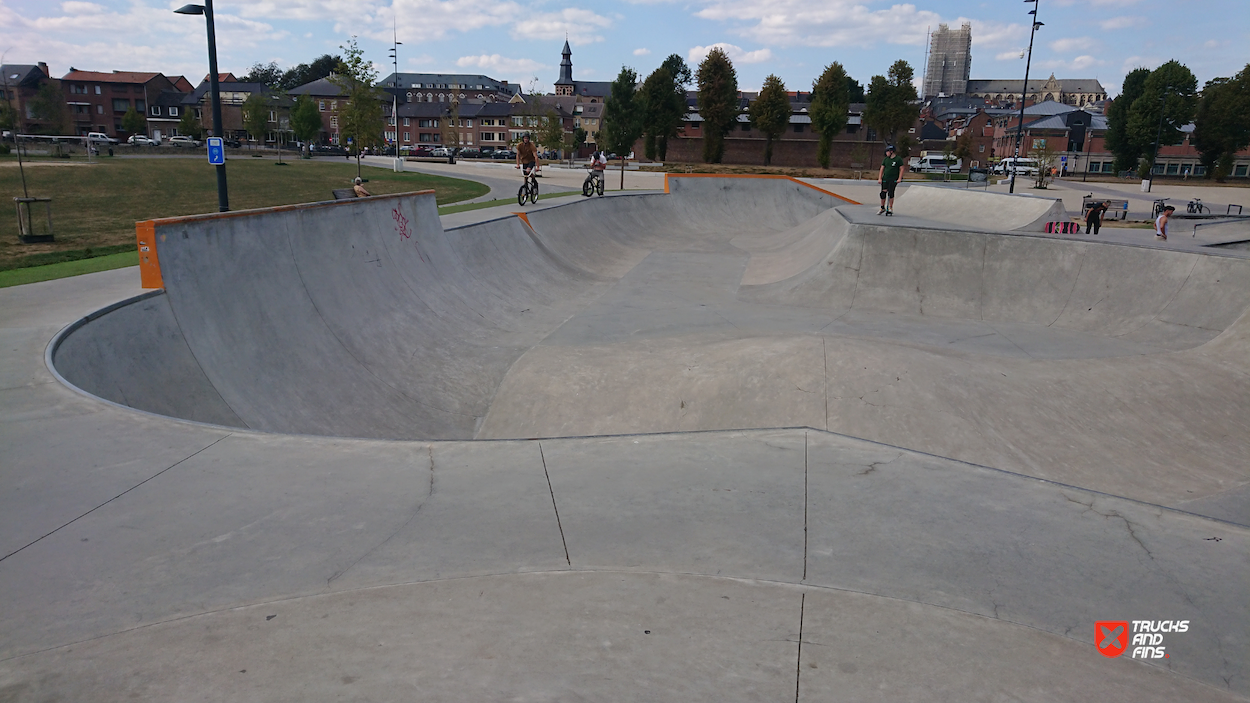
(216, 151)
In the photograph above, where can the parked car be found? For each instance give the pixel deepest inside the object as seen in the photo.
(181, 140)
(440, 151)
(423, 151)
(140, 140)
(99, 138)
(1023, 166)
(470, 153)
(931, 163)
(232, 143)
(327, 150)
(503, 154)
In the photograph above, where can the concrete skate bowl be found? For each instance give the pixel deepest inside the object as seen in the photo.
(719, 304)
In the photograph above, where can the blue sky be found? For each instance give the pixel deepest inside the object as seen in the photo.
(520, 40)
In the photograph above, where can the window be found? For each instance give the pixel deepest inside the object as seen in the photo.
(518, 122)
(407, 137)
(156, 110)
(99, 109)
(1095, 166)
(334, 121)
(981, 148)
(334, 104)
(1108, 167)
(120, 104)
(1200, 170)
(1239, 170)
(141, 105)
(78, 89)
(97, 90)
(272, 117)
(407, 122)
(173, 112)
(427, 123)
(1173, 169)
(321, 105)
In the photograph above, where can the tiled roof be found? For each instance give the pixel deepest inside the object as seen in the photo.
(114, 77)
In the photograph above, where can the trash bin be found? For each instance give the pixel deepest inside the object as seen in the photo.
(110, 151)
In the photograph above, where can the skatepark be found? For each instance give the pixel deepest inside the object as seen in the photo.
(740, 438)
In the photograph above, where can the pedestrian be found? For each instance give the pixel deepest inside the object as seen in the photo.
(887, 177)
(1186, 173)
(1093, 218)
(1161, 223)
(359, 188)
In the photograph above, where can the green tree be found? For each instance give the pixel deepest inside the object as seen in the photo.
(550, 133)
(890, 104)
(1043, 152)
(718, 102)
(305, 121)
(963, 147)
(1222, 122)
(48, 106)
(304, 73)
(133, 122)
(656, 96)
(1127, 152)
(854, 90)
(622, 118)
(266, 73)
(770, 113)
(831, 101)
(451, 126)
(188, 124)
(671, 126)
(573, 141)
(256, 116)
(1171, 90)
(360, 120)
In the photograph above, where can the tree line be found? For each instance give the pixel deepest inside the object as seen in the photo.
(1154, 106)
(656, 110)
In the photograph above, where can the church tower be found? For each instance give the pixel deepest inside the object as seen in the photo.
(565, 85)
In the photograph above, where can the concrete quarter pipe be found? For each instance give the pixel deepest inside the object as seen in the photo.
(750, 316)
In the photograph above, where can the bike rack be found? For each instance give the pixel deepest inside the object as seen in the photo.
(1230, 209)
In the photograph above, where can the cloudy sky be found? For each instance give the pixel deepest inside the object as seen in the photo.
(520, 40)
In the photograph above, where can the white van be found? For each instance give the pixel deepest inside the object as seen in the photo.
(929, 163)
(1023, 166)
(100, 138)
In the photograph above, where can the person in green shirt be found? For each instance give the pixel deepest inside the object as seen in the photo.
(887, 178)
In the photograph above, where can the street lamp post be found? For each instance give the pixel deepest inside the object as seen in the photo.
(1015, 164)
(395, 44)
(223, 200)
(1158, 135)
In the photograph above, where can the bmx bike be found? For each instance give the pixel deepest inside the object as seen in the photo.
(1195, 207)
(593, 183)
(529, 188)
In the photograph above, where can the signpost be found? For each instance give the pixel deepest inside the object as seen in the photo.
(216, 151)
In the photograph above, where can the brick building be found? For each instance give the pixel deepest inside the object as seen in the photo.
(97, 101)
(19, 86)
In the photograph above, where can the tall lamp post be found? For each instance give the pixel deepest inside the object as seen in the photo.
(1015, 164)
(395, 44)
(223, 200)
(1158, 135)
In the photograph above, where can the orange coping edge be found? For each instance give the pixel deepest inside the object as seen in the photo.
(524, 218)
(145, 231)
(751, 175)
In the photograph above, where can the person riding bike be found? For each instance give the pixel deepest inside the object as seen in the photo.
(598, 167)
(527, 156)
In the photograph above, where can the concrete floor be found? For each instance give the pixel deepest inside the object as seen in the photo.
(852, 557)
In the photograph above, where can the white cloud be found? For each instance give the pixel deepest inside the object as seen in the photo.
(1064, 46)
(1096, 3)
(735, 53)
(1013, 55)
(992, 35)
(828, 23)
(1211, 43)
(1122, 22)
(501, 64)
(642, 52)
(1080, 63)
(579, 26)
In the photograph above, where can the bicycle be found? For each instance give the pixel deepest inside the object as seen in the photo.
(593, 183)
(1195, 207)
(529, 188)
(1158, 207)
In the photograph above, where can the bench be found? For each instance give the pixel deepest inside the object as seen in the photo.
(1117, 210)
(343, 193)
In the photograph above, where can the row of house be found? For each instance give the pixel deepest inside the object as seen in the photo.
(477, 111)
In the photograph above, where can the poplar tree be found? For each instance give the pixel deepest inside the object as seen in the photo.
(770, 113)
(718, 102)
(831, 101)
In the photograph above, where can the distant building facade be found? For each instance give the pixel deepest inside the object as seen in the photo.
(584, 91)
(950, 61)
(1077, 92)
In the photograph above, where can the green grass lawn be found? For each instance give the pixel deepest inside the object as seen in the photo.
(95, 206)
(65, 269)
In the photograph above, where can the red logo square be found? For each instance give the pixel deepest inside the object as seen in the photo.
(1111, 637)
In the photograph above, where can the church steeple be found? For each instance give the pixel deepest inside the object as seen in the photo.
(566, 71)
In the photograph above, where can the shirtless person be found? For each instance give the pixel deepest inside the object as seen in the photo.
(359, 188)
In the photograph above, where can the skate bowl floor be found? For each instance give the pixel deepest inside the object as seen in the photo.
(740, 440)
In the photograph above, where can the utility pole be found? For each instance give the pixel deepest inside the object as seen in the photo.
(1158, 135)
(1015, 165)
(395, 43)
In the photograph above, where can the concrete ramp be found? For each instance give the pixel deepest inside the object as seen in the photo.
(994, 212)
